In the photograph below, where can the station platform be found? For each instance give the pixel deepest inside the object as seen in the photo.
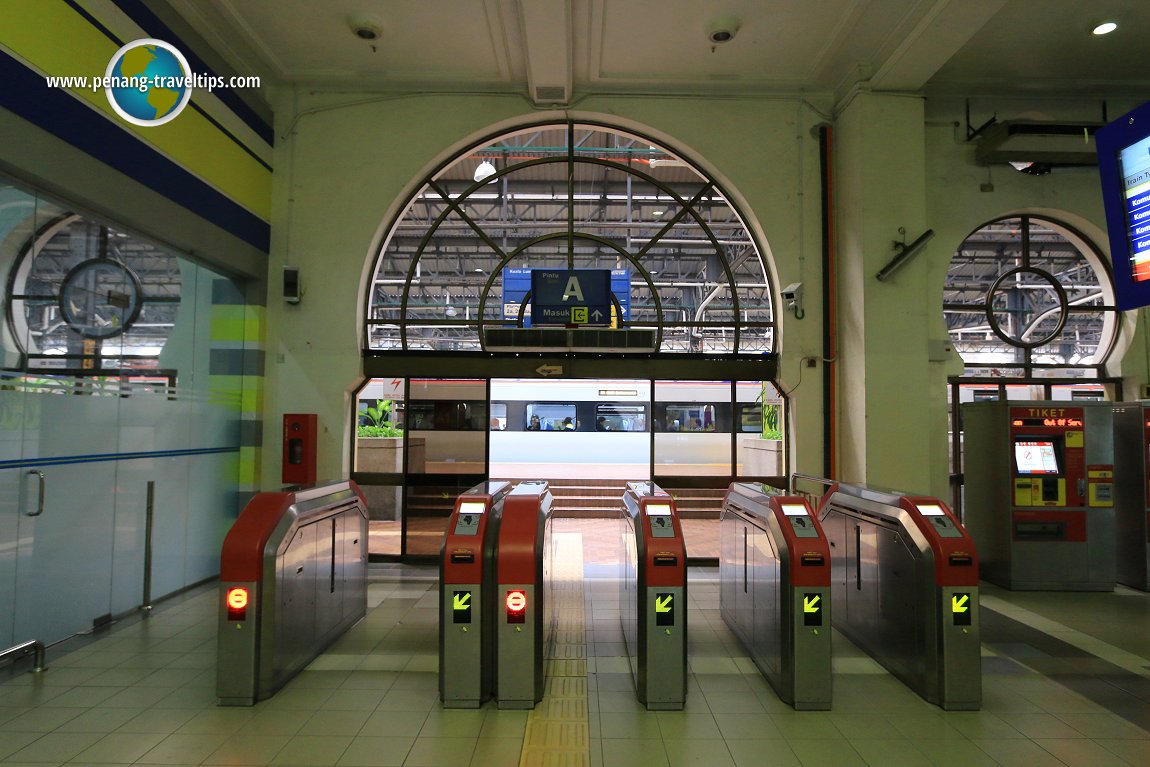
(1066, 681)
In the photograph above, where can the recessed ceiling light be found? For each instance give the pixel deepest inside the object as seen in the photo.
(1105, 28)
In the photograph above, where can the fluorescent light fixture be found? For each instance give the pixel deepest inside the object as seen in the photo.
(1105, 28)
(658, 212)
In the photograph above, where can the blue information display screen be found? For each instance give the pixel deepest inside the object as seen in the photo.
(1124, 170)
(1135, 163)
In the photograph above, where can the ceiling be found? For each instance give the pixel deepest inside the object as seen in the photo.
(558, 50)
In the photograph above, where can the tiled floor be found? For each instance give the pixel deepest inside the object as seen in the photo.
(1066, 681)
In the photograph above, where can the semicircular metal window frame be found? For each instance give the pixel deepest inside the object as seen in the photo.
(690, 213)
(1026, 366)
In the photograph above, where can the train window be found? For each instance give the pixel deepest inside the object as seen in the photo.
(751, 419)
(498, 416)
(615, 417)
(692, 416)
(551, 416)
(445, 415)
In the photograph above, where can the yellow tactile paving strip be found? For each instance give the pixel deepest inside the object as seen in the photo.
(557, 732)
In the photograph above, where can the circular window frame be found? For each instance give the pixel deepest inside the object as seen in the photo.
(1063, 308)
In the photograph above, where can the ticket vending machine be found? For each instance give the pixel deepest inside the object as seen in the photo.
(1132, 492)
(1038, 493)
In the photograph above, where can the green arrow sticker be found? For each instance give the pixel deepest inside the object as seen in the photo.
(461, 607)
(664, 609)
(960, 608)
(812, 609)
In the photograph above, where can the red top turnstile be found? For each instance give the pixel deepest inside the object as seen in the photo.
(905, 589)
(653, 597)
(775, 590)
(518, 604)
(466, 670)
(293, 572)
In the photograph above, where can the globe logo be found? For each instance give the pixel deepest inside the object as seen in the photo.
(148, 82)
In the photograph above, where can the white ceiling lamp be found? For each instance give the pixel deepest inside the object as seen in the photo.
(1105, 28)
(485, 170)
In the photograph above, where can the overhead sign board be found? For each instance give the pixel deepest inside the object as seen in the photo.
(571, 297)
(518, 284)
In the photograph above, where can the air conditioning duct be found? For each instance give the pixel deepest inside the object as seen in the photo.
(1031, 142)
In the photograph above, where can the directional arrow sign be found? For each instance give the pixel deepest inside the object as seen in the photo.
(596, 315)
(461, 607)
(812, 609)
(549, 370)
(664, 609)
(960, 608)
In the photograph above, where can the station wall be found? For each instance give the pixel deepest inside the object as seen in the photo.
(346, 162)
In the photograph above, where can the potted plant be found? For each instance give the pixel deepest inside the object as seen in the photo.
(763, 455)
(379, 442)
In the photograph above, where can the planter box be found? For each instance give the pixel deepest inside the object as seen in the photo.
(384, 455)
(762, 457)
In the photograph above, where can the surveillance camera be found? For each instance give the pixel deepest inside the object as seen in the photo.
(365, 27)
(793, 292)
(722, 30)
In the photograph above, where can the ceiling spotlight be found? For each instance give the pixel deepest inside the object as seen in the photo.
(1105, 28)
(722, 30)
(485, 170)
(365, 26)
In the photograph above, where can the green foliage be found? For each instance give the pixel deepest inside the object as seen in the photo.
(379, 422)
(772, 421)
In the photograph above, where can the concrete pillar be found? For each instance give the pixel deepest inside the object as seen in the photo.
(888, 432)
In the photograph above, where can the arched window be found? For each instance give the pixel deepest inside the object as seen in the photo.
(85, 297)
(1029, 306)
(1027, 297)
(570, 195)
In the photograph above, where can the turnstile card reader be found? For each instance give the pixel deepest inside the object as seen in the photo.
(1038, 493)
(293, 578)
(904, 581)
(653, 596)
(518, 604)
(1132, 493)
(775, 590)
(466, 592)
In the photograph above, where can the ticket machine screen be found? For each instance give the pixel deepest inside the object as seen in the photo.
(1036, 457)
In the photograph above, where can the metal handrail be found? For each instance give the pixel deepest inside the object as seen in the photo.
(34, 646)
(812, 478)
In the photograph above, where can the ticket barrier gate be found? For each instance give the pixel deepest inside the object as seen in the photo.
(905, 590)
(775, 590)
(293, 578)
(1038, 493)
(653, 597)
(520, 596)
(1132, 493)
(466, 594)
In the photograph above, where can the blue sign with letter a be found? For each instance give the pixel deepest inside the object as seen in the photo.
(571, 297)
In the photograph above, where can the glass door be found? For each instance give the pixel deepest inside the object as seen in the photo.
(377, 461)
(694, 424)
(446, 424)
